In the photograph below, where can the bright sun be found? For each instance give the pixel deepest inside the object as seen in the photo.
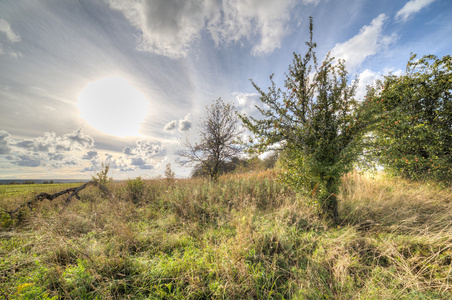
(113, 106)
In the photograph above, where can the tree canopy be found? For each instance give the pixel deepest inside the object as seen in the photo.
(414, 136)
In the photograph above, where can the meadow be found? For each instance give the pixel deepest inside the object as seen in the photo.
(243, 237)
(13, 190)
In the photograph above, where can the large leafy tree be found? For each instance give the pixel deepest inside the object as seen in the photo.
(317, 122)
(218, 141)
(414, 137)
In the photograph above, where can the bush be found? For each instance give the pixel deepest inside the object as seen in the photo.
(135, 189)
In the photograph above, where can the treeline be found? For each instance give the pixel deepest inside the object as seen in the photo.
(240, 165)
(26, 182)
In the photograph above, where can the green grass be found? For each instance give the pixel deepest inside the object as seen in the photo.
(245, 237)
(12, 190)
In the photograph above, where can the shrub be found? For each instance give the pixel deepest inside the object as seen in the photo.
(135, 189)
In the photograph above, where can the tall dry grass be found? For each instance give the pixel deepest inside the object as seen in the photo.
(244, 237)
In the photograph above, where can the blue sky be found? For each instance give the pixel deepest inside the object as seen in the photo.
(124, 82)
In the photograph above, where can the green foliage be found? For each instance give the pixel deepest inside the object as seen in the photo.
(318, 124)
(5, 219)
(102, 176)
(414, 137)
(135, 189)
(239, 165)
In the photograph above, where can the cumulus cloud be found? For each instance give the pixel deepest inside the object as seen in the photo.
(182, 125)
(245, 99)
(185, 124)
(48, 150)
(369, 41)
(143, 156)
(410, 8)
(171, 27)
(367, 77)
(172, 125)
(27, 160)
(244, 20)
(247, 103)
(90, 155)
(137, 161)
(4, 142)
(10, 34)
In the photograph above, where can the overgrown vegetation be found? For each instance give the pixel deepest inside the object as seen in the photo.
(246, 236)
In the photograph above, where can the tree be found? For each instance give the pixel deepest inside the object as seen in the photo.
(102, 176)
(318, 124)
(169, 174)
(219, 131)
(414, 136)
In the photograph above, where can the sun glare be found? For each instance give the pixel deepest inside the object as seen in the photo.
(113, 106)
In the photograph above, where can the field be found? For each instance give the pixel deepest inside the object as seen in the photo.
(13, 190)
(244, 237)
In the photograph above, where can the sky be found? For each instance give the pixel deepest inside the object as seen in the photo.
(125, 82)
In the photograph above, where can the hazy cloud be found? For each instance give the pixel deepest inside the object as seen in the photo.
(410, 8)
(170, 27)
(369, 41)
(10, 34)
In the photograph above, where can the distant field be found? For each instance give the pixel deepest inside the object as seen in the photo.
(13, 190)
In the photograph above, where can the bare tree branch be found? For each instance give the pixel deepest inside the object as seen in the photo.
(72, 191)
(218, 144)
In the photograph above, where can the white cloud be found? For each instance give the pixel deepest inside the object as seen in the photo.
(185, 124)
(48, 150)
(172, 125)
(367, 77)
(171, 27)
(410, 8)
(143, 156)
(90, 155)
(369, 41)
(244, 98)
(5, 140)
(182, 125)
(167, 27)
(265, 19)
(10, 34)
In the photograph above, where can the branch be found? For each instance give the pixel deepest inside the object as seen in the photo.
(72, 191)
